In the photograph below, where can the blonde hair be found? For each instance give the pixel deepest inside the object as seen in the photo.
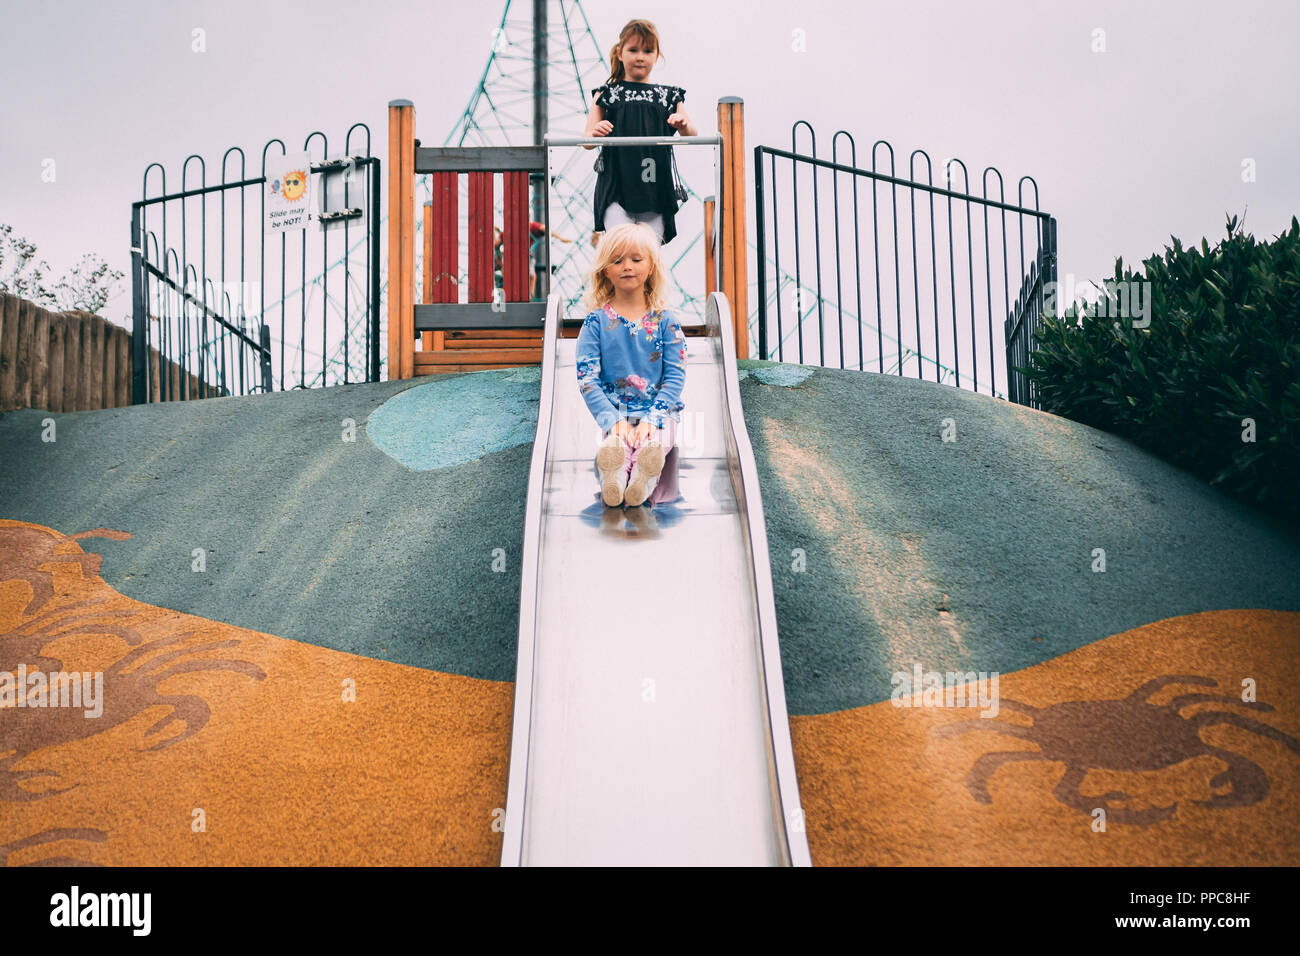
(643, 30)
(628, 237)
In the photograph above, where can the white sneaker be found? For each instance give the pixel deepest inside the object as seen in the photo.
(649, 463)
(612, 462)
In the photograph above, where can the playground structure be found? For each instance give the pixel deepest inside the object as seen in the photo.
(207, 300)
(501, 327)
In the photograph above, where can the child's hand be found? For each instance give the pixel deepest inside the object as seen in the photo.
(603, 128)
(681, 121)
(623, 429)
(641, 434)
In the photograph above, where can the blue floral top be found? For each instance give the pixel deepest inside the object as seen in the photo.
(632, 368)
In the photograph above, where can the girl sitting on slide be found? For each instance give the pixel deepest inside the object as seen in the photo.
(631, 358)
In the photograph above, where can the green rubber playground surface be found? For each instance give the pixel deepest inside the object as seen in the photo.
(887, 543)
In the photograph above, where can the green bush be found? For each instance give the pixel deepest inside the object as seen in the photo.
(1222, 345)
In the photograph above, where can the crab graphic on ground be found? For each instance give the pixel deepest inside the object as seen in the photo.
(130, 683)
(216, 744)
(1130, 734)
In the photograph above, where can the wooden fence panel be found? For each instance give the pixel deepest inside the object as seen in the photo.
(75, 361)
(108, 393)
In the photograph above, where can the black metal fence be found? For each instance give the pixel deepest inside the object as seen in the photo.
(201, 297)
(941, 328)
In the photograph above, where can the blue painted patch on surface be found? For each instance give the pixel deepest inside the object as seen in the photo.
(457, 420)
(787, 376)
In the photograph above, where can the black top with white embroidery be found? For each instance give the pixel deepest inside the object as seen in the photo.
(638, 109)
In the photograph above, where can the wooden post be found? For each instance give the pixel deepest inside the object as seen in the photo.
(735, 277)
(710, 253)
(8, 350)
(41, 361)
(71, 360)
(85, 361)
(401, 239)
(108, 396)
(123, 369)
(155, 375)
(58, 334)
(427, 339)
(95, 380)
(26, 338)
(172, 370)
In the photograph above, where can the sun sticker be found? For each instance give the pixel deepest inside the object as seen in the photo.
(295, 184)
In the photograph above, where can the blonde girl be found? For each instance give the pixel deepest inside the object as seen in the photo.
(631, 363)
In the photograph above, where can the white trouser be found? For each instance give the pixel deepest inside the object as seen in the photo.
(616, 215)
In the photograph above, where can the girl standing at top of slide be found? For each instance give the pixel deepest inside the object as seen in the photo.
(630, 105)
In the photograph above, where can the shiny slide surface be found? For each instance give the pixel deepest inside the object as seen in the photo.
(650, 725)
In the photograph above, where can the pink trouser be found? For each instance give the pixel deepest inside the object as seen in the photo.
(665, 488)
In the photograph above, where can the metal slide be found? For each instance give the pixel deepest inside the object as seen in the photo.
(649, 722)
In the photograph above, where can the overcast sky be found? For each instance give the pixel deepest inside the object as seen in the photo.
(1128, 145)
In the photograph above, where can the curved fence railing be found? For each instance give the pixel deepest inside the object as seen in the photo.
(845, 281)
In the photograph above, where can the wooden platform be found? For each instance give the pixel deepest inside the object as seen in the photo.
(474, 350)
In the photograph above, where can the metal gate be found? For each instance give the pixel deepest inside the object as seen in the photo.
(229, 313)
(941, 328)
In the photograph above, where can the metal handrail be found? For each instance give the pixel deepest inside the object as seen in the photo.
(549, 140)
(715, 141)
(512, 847)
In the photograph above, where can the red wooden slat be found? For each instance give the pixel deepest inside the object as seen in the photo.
(445, 239)
(480, 236)
(453, 230)
(516, 238)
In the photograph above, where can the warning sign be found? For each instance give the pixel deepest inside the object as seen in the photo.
(288, 188)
